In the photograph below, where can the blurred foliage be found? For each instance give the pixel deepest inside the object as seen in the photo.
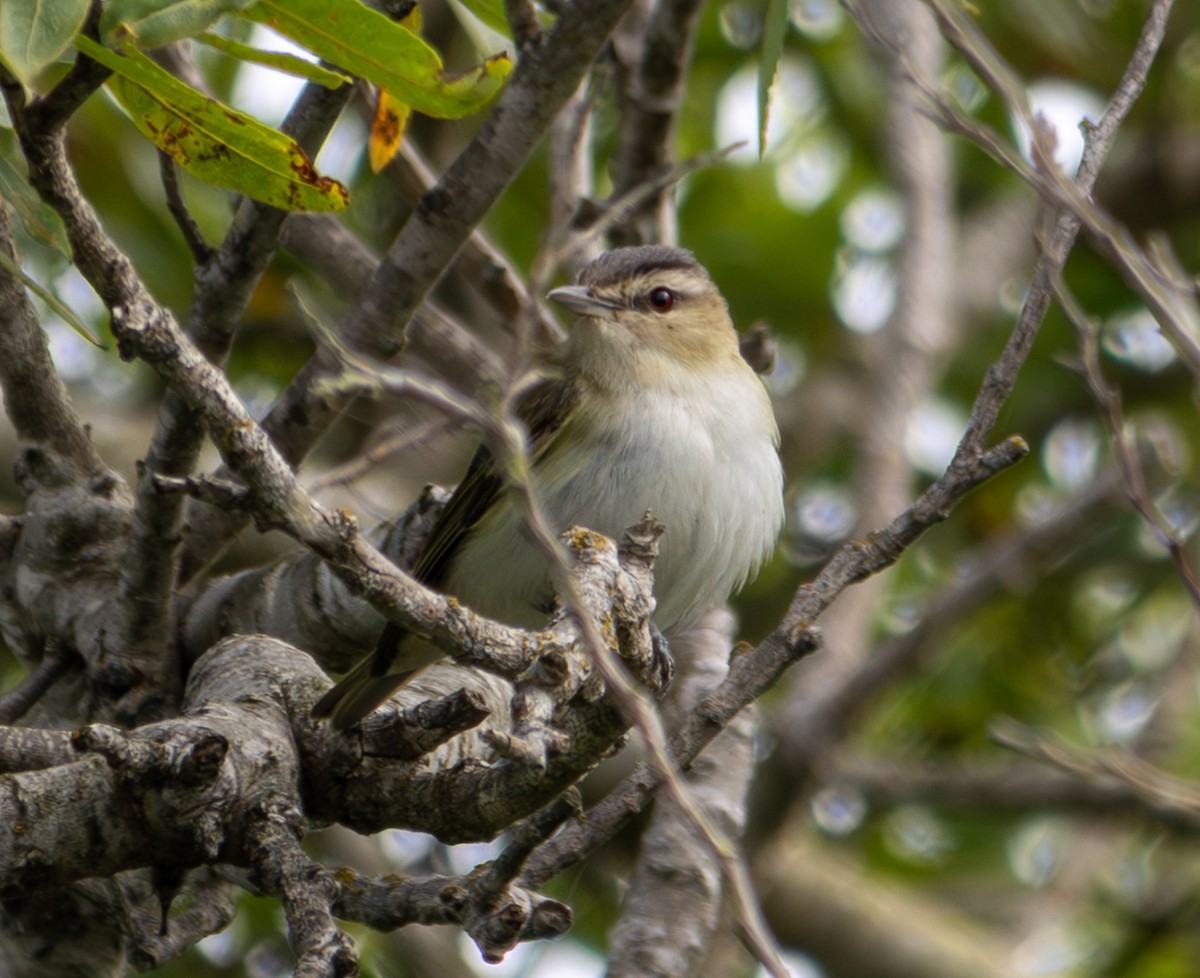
(1099, 646)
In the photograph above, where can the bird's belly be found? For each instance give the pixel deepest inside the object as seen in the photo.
(704, 481)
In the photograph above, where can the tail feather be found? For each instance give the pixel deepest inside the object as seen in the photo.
(365, 687)
(358, 694)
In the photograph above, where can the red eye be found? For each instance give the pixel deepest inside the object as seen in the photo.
(662, 299)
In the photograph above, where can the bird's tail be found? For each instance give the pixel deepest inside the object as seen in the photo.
(365, 687)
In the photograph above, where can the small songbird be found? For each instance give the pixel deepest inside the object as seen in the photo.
(648, 405)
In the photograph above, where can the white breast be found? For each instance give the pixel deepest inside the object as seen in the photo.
(700, 456)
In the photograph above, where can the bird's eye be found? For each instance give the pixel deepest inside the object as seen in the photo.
(662, 299)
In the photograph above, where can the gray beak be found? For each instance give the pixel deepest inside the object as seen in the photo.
(579, 298)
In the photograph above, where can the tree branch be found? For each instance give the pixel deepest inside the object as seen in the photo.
(35, 398)
(650, 98)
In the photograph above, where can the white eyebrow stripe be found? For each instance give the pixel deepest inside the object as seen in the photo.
(680, 283)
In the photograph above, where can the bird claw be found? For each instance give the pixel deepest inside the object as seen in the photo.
(662, 666)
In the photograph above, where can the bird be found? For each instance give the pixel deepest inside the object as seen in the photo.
(647, 405)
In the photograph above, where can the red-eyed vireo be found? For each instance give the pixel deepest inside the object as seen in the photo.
(648, 406)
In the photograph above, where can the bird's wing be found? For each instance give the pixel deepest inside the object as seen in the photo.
(542, 409)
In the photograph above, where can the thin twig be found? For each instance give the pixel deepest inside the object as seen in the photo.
(374, 454)
(1108, 402)
(1067, 219)
(1160, 792)
(224, 493)
(1171, 301)
(201, 250)
(17, 701)
(564, 249)
(361, 375)
(523, 19)
(523, 838)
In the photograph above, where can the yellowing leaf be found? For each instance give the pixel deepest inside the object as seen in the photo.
(489, 74)
(391, 115)
(215, 143)
(413, 20)
(387, 130)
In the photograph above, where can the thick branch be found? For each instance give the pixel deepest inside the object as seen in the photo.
(672, 907)
(224, 285)
(650, 99)
(35, 397)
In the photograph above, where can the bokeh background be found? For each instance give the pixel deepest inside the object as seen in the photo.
(900, 820)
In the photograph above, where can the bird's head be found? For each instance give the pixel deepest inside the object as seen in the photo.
(646, 307)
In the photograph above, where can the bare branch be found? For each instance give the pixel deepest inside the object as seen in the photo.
(496, 920)
(523, 19)
(651, 94)
(1108, 402)
(379, 448)
(346, 262)
(201, 250)
(571, 245)
(570, 170)
(307, 895)
(213, 903)
(27, 749)
(479, 266)
(17, 701)
(35, 397)
(1022, 787)
(1151, 789)
(1172, 301)
(671, 910)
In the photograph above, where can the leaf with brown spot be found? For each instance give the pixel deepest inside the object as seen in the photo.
(213, 142)
(391, 114)
(387, 130)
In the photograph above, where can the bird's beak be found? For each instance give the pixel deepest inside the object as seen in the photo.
(580, 299)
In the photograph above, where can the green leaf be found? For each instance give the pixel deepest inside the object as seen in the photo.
(488, 12)
(774, 31)
(151, 23)
(64, 312)
(33, 33)
(288, 63)
(40, 221)
(368, 44)
(213, 142)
